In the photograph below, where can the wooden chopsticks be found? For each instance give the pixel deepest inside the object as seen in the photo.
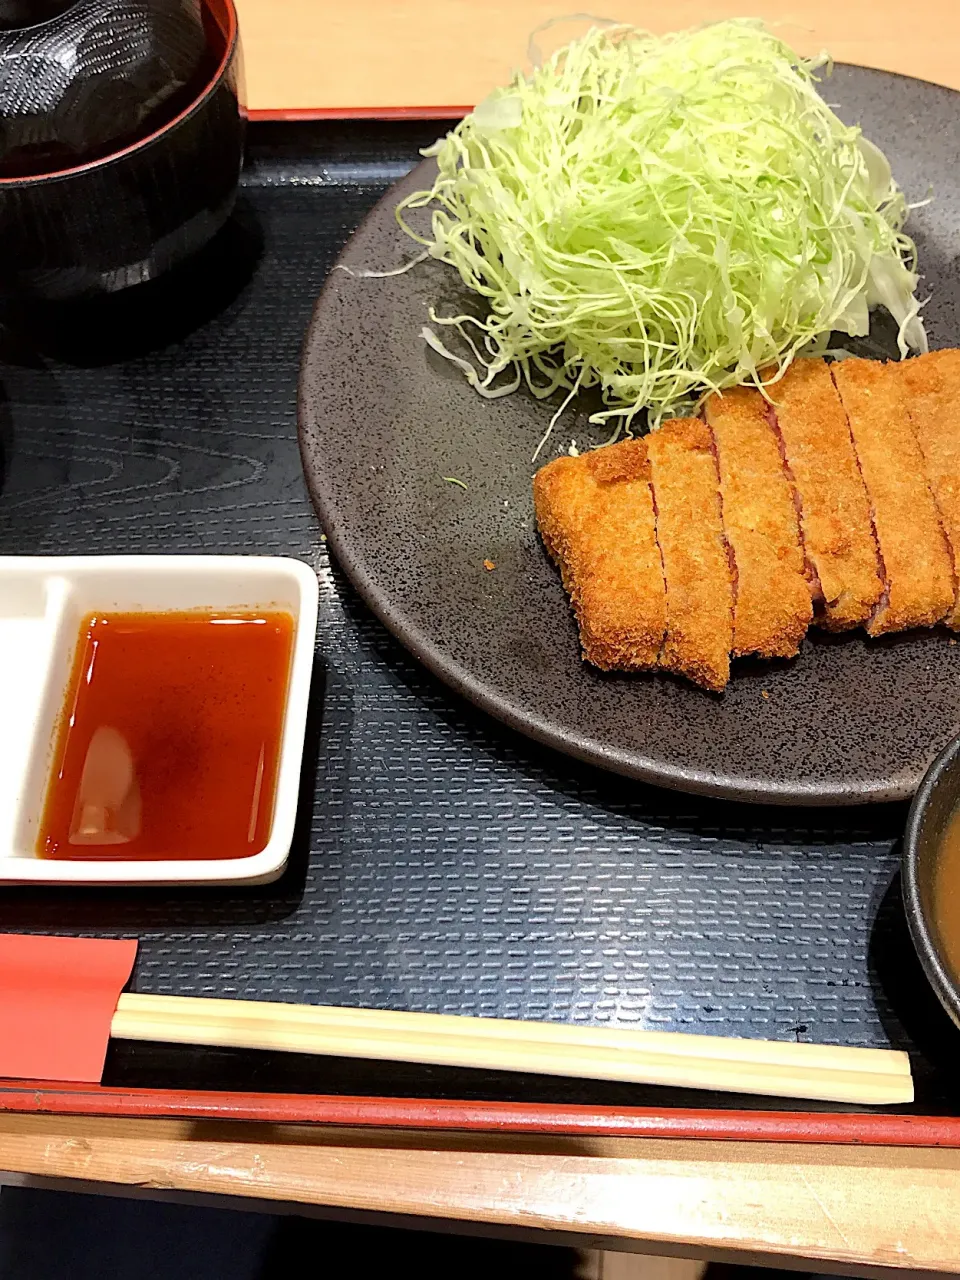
(774, 1068)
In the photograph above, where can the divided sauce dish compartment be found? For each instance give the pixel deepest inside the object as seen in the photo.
(43, 603)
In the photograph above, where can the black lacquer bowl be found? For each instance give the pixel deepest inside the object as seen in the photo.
(126, 214)
(933, 807)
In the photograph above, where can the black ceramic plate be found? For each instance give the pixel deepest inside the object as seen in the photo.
(383, 421)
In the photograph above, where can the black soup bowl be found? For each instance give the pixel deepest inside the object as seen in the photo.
(125, 217)
(933, 806)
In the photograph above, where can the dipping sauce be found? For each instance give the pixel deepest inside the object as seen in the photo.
(946, 895)
(168, 745)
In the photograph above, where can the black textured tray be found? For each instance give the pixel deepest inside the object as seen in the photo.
(442, 862)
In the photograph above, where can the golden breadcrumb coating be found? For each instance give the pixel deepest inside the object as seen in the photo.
(772, 598)
(917, 565)
(596, 519)
(696, 563)
(932, 384)
(835, 521)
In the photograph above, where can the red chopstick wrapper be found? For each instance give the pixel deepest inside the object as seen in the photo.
(57, 1000)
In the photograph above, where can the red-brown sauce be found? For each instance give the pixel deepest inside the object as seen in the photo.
(169, 740)
(946, 895)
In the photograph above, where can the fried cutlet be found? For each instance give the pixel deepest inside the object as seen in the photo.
(932, 384)
(917, 566)
(596, 518)
(696, 563)
(835, 520)
(772, 600)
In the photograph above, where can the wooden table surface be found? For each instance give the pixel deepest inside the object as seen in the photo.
(843, 1207)
(838, 1207)
(303, 54)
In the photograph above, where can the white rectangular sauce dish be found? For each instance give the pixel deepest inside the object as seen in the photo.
(43, 600)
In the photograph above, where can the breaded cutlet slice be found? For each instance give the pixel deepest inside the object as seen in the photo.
(835, 522)
(932, 384)
(917, 566)
(696, 563)
(772, 605)
(596, 518)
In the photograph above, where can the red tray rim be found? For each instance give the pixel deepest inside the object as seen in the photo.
(306, 114)
(44, 1097)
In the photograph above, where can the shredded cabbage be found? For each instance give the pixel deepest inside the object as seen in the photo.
(662, 216)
